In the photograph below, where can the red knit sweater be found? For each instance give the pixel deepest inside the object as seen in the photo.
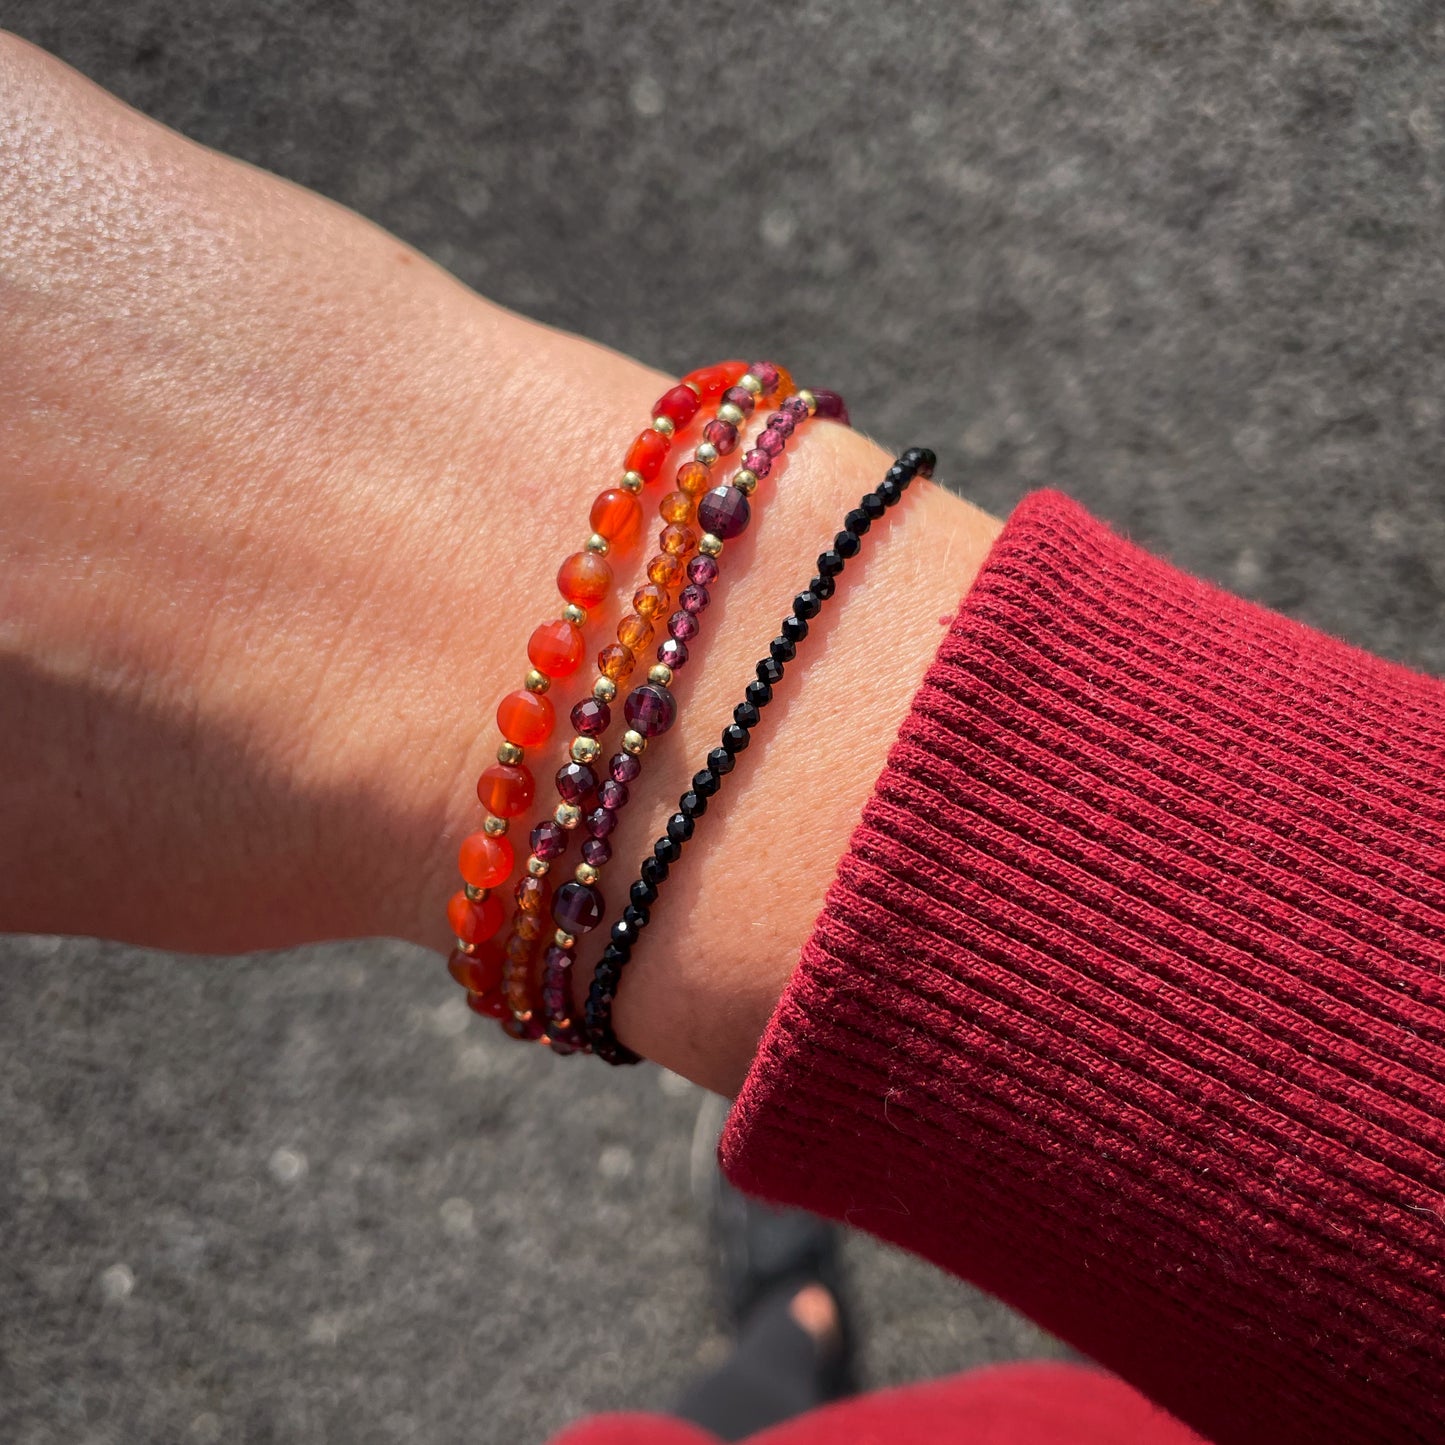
(1128, 1004)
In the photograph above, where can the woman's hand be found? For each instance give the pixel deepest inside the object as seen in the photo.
(281, 505)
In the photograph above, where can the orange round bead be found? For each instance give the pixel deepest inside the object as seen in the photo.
(525, 718)
(651, 601)
(634, 632)
(646, 454)
(679, 539)
(506, 789)
(676, 507)
(664, 569)
(711, 381)
(491, 1005)
(617, 515)
(693, 478)
(485, 861)
(474, 922)
(615, 662)
(584, 578)
(479, 972)
(556, 648)
(532, 894)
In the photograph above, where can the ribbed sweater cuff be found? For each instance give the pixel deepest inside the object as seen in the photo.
(1126, 1002)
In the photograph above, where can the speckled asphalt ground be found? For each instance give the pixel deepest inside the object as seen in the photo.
(1183, 260)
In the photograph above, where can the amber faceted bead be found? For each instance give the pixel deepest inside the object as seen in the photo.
(533, 895)
(651, 601)
(617, 515)
(525, 718)
(491, 1005)
(664, 569)
(479, 972)
(693, 478)
(711, 381)
(528, 926)
(785, 388)
(676, 507)
(485, 861)
(474, 922)
(506, 789)
(616, 662)
(556, 648)
(679, 539)
(634, 632)
(584, 578)
(647, 454)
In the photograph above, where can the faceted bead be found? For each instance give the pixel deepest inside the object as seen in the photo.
(617, 515)
(759, 463)
(591, 716)
(845, 544)
(667, 850)
(724, 512)
(612, 794)
(490, 1005)
(786, 386)
(647, 454)
(796, 408)
(672, 653)
(711, 381)
(556, 648)
(623, 767)
(664, 569)
(683, 626)
(722, 434)
(506, 789)
(651, 709)
(795, 628)
(478, 972)
(519, 949)
(485, 861)
(720, 761)
(772, 442)
(781, 423)
(857, 522)
(577, 907)
(831, 406)
(693, 598)
(702, 570)
(532, 894)
(740, 397)
(474, 922)
(735, 738)
(597, 852)
(634, 632)
(822, 588)
(679, 539)
(651, 601)
(584, 578)
(525, 718)
(615, 662)
(767, 375)
(770, 670)
(705, 782)
(642, 892)
(575, 782)
(692, 478)
(873, 504)
(600, 822)
(680, 827)
(806, 605)
(527, 926)
(782, 649)
(549, 839)
(890, 491)
(679, 405)
(676, 507)
(830, 564)
(653, 870)
(746, 715)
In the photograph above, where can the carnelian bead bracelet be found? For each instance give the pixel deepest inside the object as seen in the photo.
(526, 717)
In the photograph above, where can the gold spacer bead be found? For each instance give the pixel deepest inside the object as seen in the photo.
(710, 546)
(462, 946)
(604, 689)
(568, 815)
(494, 827)
(599, 544)
(660, 673)
(585, 873)
(731, 414)
(808, 399)
(574, 614)
(750, 383)
(509, 753)
(633, 742)
(706, 453)
(563, 939)
(474, 894)
(537, 681)
(632, 481)
(538, 867)
(664, 425)
(746, 481)
(585, 750)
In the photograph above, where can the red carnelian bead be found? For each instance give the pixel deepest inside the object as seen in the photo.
(506, 789)
(525, 718)
(617, 515)
(584, 578)
(616, 662)
(474, 922)
(479, 972)
(646, 455)
(556, 648)
(485, 861)
(679, 405)
(711, 381)
(491, 1005)
(664, 569)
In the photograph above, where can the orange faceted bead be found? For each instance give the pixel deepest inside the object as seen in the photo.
(528, 926)
(664, 569)
(617, 515)
(785, 388)
(556, 648)
(693, 478)
(634, 632)
(711, 381)
(533, 895)
(615, 662)
(479, 972)
(506, 789)
(584, 578)
(526, 719)
(679, 539)
(676, 507)
(651, 601)
(491, 1005)
(646, 454)
(485, 861)
(474, 922)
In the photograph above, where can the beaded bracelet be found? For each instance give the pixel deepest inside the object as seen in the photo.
(525, 717)
(651, 710)
(916, 461)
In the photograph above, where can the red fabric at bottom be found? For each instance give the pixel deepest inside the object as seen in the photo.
(1026, 1404)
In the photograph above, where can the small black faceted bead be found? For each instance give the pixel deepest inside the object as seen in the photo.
(668, 849)
(845, 544)
(822, 588)
(899, 472)
(679, 828)
(783, 649)
(795, 628)
(873, 504)
(805, 604)
(770, 670)
(857, 521)
(642, 892)
(609, 966)
(746, 715)
(637, 917)
(830, 564)
(691, 804)
(653, 869)
(720, 761)
(922, 458)
(758, 693)
(890, 491)
(734, 738)
(624, 933)
(705, 783)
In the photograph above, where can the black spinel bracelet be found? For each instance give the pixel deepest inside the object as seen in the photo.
(915, 462)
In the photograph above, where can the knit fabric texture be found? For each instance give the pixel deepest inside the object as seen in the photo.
(1128, 1000)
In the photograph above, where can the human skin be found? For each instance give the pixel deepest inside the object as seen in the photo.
(280, 503)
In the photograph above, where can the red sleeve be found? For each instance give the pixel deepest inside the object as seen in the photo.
(1128, 1000)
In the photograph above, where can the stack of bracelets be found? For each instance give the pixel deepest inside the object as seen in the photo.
(503, 964)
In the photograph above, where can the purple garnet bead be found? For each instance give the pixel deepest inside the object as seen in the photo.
(591, 716)
(683, 626)
(612, 795)
(600, 822)
(575, 781)
(796, 408)
(673, 653)
(740, 397)
(577, 907)
(766, 373)
(831, 406)
(693, 598)
(772, 442)
(651, 709)
(549, 839)
(702, 570)
(722, 434)
(759, 463)
(724, 512)
(597, 852)
(623, 767)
